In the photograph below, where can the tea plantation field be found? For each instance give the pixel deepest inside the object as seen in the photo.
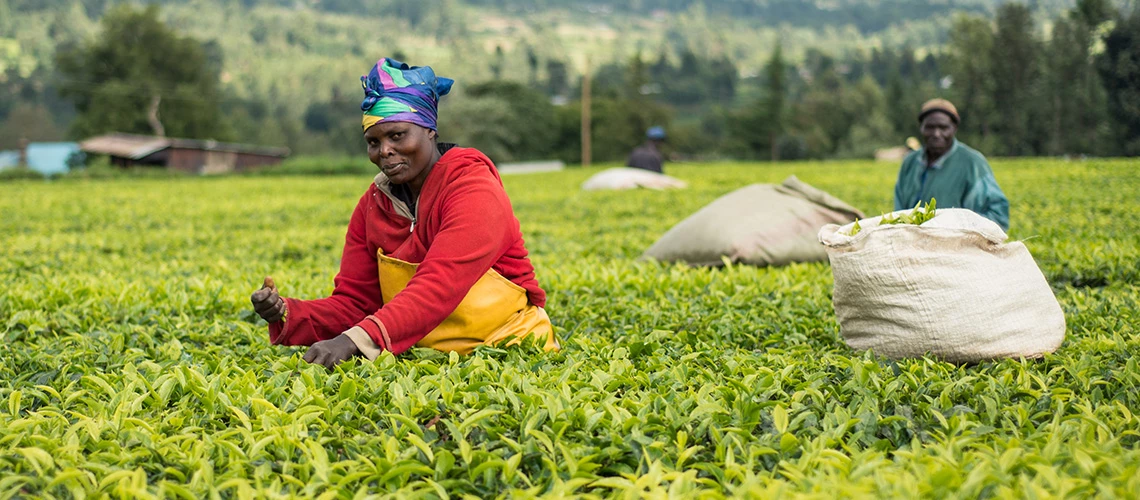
(132, 367)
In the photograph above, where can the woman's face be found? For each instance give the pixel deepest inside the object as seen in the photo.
(404, 151)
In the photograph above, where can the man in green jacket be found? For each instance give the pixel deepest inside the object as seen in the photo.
(947, 170)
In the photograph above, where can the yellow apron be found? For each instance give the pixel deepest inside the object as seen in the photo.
(494, 310)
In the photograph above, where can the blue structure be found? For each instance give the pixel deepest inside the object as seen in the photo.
(47, 158)
(9, 159)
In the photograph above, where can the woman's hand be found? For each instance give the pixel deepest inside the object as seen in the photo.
(267, 303)
(332, 352)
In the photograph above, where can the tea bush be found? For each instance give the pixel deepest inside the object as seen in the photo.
(132, 365)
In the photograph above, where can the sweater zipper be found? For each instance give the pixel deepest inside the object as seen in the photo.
(412, 216)
(415, 216)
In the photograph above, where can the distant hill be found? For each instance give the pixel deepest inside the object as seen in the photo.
(295, 52)
(569, 29)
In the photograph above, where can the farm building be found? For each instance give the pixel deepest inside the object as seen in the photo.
(186, 155)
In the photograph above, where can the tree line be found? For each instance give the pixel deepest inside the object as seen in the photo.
(1021, 90)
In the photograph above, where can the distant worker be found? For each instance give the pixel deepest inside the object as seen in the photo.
(951, 172)
(648, 155)
(433, 256)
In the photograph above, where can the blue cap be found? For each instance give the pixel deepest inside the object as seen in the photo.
(655, 133)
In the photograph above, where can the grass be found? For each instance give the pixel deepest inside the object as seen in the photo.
(131, 365)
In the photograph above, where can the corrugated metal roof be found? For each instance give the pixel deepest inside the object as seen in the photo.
(137, 147)
(230, 147)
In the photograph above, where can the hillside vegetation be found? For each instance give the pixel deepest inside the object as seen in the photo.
(300, 50)
(729, 79)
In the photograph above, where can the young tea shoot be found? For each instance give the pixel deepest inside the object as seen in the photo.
(917, 216)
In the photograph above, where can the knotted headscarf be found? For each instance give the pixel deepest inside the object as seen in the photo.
(396, 92)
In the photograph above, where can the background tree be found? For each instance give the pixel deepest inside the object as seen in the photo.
(1075, 95)
(31, 122)
(870, 128)
(775, 100)
(520, 131)
(637, 79)
(756, 130)
(5, 17)
(899, 116)
(620, 125)
(1119, 66)
(1016, 70)
(30, 109)
(824, 114)
(557, 78)
(1093, 13)
(497, 63)
(140, 76)
(532, 65)
(335, 123)
(971, 68)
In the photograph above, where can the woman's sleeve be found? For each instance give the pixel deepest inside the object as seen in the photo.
(356, 292)
(475, 231)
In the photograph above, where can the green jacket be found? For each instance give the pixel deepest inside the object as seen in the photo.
(961, 178)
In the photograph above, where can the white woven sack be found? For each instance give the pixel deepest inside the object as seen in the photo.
(951, 287)
(631, 178)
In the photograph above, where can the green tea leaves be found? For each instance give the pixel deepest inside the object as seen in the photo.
(916, 216)
(131, 369)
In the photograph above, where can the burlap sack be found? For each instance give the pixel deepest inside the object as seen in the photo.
(951, 287)
(761, 224)
(631, 178)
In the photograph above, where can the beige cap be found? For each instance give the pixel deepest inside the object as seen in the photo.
(939, 105)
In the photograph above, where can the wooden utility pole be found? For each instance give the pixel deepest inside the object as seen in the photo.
(586, 116)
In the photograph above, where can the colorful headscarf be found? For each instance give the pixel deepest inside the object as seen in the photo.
(396, 92)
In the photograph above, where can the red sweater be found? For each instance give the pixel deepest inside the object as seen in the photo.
(464, 226)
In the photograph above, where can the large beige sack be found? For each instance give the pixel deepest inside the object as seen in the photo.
(950, 287)
(761, 224)
(631, 178)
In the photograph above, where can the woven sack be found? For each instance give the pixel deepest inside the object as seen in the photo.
(761, 224)
(631, 178)
(951, 287)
